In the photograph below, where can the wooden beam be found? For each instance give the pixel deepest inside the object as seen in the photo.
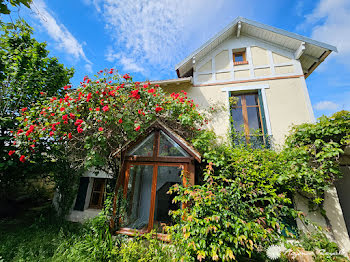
(300, 50)
(315, 65)
(314, 59)
(239, 26)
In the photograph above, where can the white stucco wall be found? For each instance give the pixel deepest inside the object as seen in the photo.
(287, 104)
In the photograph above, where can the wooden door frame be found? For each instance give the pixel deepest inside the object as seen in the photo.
(153, 190)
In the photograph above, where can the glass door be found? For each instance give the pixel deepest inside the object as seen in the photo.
(146, 189)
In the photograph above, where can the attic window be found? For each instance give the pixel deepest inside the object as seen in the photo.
(239, 57)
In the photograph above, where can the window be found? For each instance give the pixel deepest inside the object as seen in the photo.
(98, 193)
(239, 58)
(248, 118)
(151, 167)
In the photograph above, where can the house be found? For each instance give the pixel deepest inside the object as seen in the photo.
(265, 69)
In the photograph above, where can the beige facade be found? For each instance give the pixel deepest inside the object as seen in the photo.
(281, 79)
(278, 76)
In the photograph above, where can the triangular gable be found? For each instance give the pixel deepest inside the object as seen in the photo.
(310, 52)
(158, 125)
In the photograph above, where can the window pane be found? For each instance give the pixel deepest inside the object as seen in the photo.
(98, 184)
(94, 199)
(238, 57)
(168, 147)
(167, 177)
(251, 100)
(139, 196)
(145, 148)
(239, 102)
(254, 120)
(237, 117)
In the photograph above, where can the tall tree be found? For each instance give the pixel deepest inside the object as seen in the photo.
(4, 5)
(26, 71)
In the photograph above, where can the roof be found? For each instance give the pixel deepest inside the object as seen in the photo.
(314, 52)
(157, 124)
(172, 81)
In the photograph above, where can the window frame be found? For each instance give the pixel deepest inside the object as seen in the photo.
(244, 107)
(243, 53)
(102, 194)
(186, 162)
(155, 166)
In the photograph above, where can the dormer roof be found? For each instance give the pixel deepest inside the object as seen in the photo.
(311, 53)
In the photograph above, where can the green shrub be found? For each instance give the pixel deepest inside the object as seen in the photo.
(145, 248)
(238, 211)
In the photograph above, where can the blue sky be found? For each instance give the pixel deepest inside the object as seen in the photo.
(146, 38)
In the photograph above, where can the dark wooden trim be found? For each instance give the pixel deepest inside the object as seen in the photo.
(153, 198)
(156, 144)
(184, 147)
(101, 196)
(315, 65)
(158, 159)
(245, 117)
(156, 127)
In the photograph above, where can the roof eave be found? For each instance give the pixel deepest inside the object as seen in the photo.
(258, 25)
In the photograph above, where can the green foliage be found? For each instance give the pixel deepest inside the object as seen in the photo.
(146, 248)
(239, 210)
(25, 71)
(4, 5)
(317, 242)
(38, 240)
(312, 154)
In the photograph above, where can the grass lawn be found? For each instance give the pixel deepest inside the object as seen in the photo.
(34, 236)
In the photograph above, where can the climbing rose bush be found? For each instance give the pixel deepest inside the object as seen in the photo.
(89, 123)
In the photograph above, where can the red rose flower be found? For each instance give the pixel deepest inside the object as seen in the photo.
(11, 152)
(72, 116)
(100, 129)
(24, 109)
(70, 135)
(51, 133)
(158, 109)
(120, 121)
(135, 94)
(79, 129)
(22, 158)
(65, 117)
(105, 108)
(137, 128)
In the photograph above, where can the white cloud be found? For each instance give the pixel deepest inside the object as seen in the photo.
(65, 40)
(156, 34)
(127, 63)
(88, 68)
(331, 21)
(326, 106)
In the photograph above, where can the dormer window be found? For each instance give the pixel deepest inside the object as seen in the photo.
(239, 57)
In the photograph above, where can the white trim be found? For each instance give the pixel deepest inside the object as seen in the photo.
(272, 65)
(284, 64)
(262, 66)
(300, 50)
(250, 61)
(213, 77)
(263, 94)
(308, 101)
